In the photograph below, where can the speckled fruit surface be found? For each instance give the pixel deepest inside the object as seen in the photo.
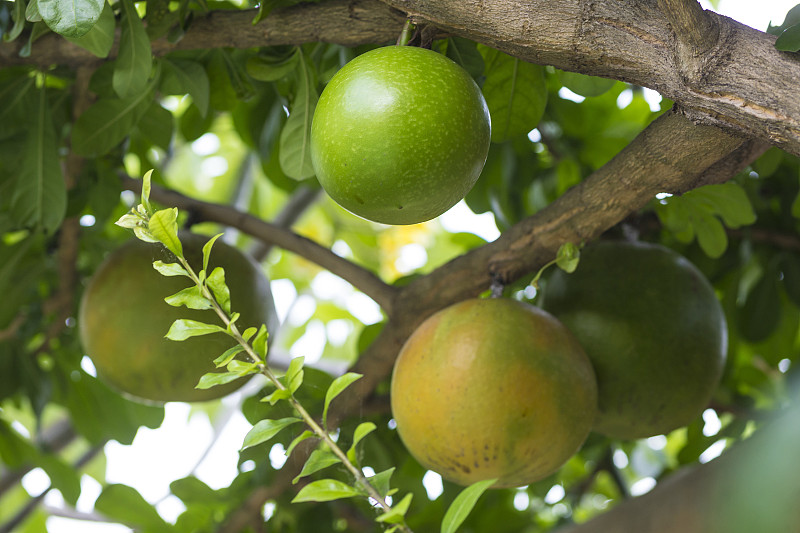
(400, 134)
(123, 319)
(653, 329)
(493, 388)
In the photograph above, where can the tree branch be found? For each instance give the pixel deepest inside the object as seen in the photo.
(367, 282)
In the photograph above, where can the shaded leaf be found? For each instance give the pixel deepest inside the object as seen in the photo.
(100, 38)
(337, 387)
(584, 85)
(465, 53)
(70, 18)
(107, 122)
(182, 76)
(134, 60)
(363, 429)
(298, 439)
(789, 40)
(318, 460)
(228, 355)
(125, 505)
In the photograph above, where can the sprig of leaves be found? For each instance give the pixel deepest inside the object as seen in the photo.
(567, 259)
(210, 292)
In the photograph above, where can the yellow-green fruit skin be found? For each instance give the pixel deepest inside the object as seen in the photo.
(123, 319)
(653, 328)
(493, 388)
(400, 134)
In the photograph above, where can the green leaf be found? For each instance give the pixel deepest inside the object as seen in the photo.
(568, 257)
(726, 200)
(294, 150)
(294, 374)
(212, 379)
(190, 297)
(465, 53)
(130, 221)
(789, 40)
(761, 312)
(32, 12)
(228, 355)
(183, 328)
(100, 38)
(398, 512)
(144, 235)
(382, 481)
(107, 122)
(711, 235)
(164, 227)
(265, 67)
(790, 268)
(207, 250)
(363, 429)
(19, 22)
(216, 282)
(170, 269)
(463, 504)
(70, 18)
(325, 490)
(260, 342)
(147, 180)
(298, 439)
(337, 387)
(135, 59)
(182, 76)
(584, 85)
(40, 195)
(277, 395)
(515, 92)
(266, 429)
(318, 460)
(125, 505)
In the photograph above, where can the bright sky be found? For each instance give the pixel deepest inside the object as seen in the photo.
(160, 456)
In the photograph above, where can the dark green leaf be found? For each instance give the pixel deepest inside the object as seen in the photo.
(184, 328)
(19, 22)
(100, 38)
(761, 312)
(164, 227)
(790, 267)
(585, 85)
(269, 68)
(711, 235)
(463, 505)
(337, 387)
(325, 490)
(190, 297)
(182, 76)
(382, 481)
(789, 40)
(515, 92)
(295, 154)
(157, 125)
(465, 53)
(297, 440)
(266, 429)
(40, 195)
(107, 122)
(318, 460)
(70, 18)
(135, 59)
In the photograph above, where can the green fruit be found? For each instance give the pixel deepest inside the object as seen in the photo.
(653, 329)
(400, 135)
(123, 319)
(493, 388)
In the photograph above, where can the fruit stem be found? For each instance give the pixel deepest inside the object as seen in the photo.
(405, 35)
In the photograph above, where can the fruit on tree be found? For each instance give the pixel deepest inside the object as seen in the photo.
(653, 329)
(493, 388)
(123, 319)
(400, 134)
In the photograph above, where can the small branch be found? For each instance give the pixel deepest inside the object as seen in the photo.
(364, 280)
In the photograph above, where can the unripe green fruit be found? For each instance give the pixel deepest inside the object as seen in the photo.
(653, 329)
(123, 319)
(493, 388)
(400, 135)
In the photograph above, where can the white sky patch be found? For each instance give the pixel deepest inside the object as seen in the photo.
(643, 486)
(461, 218)
(433, 484)
(206, 144)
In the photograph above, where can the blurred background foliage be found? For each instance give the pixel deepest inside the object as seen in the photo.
(212, 124)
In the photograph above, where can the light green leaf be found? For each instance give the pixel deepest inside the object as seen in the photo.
(130, 221)
(382, 481)
(228, 355)
(216, 282)
(190, 297)
(32, 12)
(515, 92)
(100, 38)
(182, 76)
(325, 490)
(711, 235)
(144, 235)
(298, 439)
(70, 18)
(276, 396)
(294, 374)
(568, 257)
(107, 122)
(727, 200)
(242, 367)
(135, 59)
(260, 342)
(266, 429)
(147, 183)
(164, 227)
(40, 195)
(183, 328)
(248, 333)
(170, 269)
(212, 379)
(398, 512)
(125, 505)
(336, 388)
(363, 429)
(463, 504)
(207, 249)
(318, 460)
(294, 150)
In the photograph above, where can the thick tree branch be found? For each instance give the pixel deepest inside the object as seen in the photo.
(364, 280)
